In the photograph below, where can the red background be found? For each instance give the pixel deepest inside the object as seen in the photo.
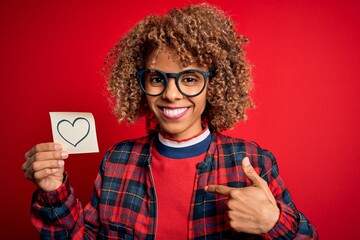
(306, 57)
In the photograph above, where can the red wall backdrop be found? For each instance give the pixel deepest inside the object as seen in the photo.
(306, 57)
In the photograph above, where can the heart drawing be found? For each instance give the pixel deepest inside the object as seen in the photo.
(74, 132)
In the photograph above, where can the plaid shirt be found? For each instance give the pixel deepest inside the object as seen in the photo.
(123, 204)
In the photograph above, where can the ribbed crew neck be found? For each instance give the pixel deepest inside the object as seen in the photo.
(183, 149)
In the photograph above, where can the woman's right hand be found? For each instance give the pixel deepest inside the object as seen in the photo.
(45, 165)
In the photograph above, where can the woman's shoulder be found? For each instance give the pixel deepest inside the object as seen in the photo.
(130, 143)
(231, 144)
(136, 149)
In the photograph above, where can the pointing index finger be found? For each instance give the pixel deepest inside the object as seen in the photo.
(221, 189)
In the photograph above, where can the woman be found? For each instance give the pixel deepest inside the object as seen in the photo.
(187, 73)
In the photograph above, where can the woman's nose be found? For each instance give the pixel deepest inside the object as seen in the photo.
(171, 92)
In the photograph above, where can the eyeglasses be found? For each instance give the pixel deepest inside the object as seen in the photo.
(190, 82)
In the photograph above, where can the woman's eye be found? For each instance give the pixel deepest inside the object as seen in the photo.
(157, 80)
(189, 79)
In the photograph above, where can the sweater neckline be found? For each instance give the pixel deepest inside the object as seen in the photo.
(183, 149)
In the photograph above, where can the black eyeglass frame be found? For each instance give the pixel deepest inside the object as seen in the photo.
(166, 76)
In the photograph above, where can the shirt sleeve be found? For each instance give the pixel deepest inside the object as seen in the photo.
(291, 224)
(55, 214)
(60, 215)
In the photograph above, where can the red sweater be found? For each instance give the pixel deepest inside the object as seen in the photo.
(174, 190)
(174, 176)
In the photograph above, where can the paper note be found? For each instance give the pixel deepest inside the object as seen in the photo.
(75, 131)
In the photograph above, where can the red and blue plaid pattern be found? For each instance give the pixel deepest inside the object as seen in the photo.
(123, 205)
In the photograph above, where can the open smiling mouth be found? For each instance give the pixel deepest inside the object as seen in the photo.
(173, 113)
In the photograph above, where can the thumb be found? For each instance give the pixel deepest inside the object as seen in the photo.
(250, 171)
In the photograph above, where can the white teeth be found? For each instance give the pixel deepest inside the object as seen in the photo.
(174, 112)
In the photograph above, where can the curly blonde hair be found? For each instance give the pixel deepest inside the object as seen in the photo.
(200, 32)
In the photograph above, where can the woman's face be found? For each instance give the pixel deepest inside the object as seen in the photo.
(178, 116)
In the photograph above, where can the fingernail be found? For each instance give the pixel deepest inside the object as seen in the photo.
(61, 163)
(54, 170)
(58, 146)
(246, 161)
(64, 155)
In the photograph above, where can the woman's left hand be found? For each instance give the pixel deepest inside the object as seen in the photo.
(251, 209)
